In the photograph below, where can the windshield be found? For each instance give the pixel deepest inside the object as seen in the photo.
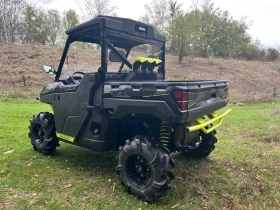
(81, 57)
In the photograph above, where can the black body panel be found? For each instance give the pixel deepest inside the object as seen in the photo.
(127, 31)
(71, 111)
(155, 98)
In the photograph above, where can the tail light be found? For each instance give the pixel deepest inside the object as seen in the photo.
(181, 99)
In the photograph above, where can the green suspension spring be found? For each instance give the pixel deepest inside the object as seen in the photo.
(165, 131)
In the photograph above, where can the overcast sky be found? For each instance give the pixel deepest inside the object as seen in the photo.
(264, 14)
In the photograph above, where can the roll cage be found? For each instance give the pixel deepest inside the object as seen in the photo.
(111, 33)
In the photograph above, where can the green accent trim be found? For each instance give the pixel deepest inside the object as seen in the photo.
(65, 137)
(156, 95)
(192, 104)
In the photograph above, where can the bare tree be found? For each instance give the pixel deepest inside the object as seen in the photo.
(161, 13)
(92, 8)
(70, 19)
(54, 25)
(157, 14)
(10, 17)
(175, 9)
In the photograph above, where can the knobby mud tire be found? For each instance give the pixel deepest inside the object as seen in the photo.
(158, 163)
(42, 133)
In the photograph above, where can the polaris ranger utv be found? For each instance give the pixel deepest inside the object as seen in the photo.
(136, 112)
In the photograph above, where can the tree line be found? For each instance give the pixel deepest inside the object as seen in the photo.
(203, 31)
(26, 23)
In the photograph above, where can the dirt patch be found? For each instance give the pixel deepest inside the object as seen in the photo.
(250, 81)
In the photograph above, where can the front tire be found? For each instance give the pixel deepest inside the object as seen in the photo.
(144, 170)
(42, 133)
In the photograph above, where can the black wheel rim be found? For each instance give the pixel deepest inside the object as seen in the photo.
(138, 171)
(39, 133)
(195, 143)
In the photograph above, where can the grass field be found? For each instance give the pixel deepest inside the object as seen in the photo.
(242, 173)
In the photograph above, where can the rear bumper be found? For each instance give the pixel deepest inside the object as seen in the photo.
(202, 124)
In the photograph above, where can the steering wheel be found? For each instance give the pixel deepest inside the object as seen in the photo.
(73, 78)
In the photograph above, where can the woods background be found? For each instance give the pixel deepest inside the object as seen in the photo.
(202, 31)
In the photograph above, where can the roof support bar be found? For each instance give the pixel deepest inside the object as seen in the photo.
(58, 73)
(125, 61)
(126, 55)
(104, 51)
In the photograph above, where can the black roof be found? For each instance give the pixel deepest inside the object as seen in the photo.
(121, 32)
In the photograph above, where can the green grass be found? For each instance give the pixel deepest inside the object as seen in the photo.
(24, 93)
(243, 171)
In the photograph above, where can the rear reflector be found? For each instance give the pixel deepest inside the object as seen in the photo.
(181, 99)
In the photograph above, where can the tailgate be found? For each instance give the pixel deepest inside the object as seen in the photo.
(205, 97)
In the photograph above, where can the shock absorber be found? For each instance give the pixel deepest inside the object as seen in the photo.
(165, 131)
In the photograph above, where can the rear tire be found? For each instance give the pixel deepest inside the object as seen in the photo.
(201, 147)
(42, 133)
(144, 170)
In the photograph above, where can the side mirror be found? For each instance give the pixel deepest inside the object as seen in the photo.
(49, 69)
(114, 58)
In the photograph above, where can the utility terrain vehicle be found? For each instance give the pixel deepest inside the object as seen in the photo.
(135, 111)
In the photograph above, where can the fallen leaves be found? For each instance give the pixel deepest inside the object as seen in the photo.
(250, 207)
(173, 207)
(33, 195)
(67, 186)
(114, 185)
(36, 175)
(233, 207)
(8, 152)
(207, 196)
(265, 170)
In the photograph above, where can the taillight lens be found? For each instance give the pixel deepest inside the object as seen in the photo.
(181, 99)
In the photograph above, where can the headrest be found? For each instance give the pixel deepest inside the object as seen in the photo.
(143, 63)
